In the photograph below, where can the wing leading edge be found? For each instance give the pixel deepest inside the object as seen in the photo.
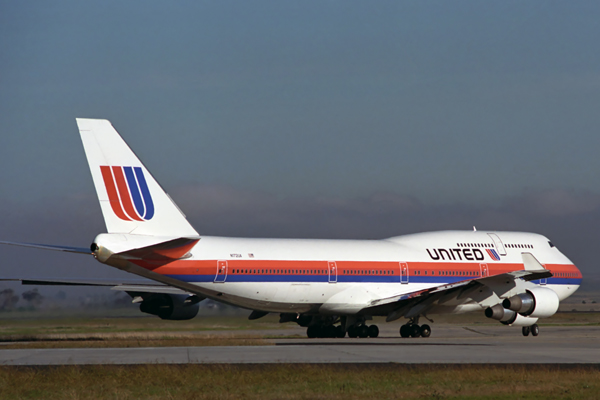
(416, 303)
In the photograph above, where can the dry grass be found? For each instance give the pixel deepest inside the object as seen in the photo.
(298, 382)
(135, 332)
(10, 324)
(71, 332)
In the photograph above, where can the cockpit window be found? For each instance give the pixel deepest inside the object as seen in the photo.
(550, 243)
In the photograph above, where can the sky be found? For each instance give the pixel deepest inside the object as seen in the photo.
(305, 119)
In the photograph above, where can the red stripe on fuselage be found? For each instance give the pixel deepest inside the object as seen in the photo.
(345, 268)
(111, 190)
(124, 193)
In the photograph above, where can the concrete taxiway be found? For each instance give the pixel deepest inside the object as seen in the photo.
(489, 345)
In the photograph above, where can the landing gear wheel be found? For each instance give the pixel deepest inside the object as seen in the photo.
(535, 330)
(363, 331)
(415, 330)
(330, 332)
(404, 331)
(353, 331)
(425, 330)
(312, 331)
(526, 330)
(373, 331)
(340, 332)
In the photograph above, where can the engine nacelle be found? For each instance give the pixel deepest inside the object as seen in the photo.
(538, 302)
(500, 313)
(508, 317)
(176, 307)
(519, 320)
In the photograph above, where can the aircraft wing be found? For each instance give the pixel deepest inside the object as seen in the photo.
(416, 303)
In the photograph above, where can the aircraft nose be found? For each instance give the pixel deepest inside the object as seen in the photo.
(577, 271)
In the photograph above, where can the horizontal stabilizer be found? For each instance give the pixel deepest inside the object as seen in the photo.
(69, 249)
(165, 251)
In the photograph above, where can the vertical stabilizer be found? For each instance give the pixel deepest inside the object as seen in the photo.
(131, 199)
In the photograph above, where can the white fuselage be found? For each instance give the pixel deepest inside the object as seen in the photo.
(343, 276)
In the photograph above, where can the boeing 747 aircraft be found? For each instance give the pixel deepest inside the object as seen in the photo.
(331, 287)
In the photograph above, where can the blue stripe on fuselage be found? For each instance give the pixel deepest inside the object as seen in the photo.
(350, 279)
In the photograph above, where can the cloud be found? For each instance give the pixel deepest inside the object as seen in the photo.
(570, 219)
(222, 210)
(556, 203)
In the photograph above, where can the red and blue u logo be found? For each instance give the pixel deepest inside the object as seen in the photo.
(128, 192)
(493, 254)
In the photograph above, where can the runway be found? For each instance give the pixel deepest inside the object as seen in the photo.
(451, 345)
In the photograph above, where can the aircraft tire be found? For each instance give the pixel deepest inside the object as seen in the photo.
(340, 332)
(526, 330)
(312, 331)
(373, 331)
(352, 332)
(425, 331)
(535, 330)
(404, 331)
(363, 331)
(415, 330)
(329, 331)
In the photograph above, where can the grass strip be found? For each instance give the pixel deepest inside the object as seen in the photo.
(299, 381)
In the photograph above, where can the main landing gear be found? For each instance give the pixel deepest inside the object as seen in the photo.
(533, 329)
(332, 331)
(363, 331)
(412, 329)
(325, 331)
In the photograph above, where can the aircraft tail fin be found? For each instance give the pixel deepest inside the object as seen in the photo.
(131, 199)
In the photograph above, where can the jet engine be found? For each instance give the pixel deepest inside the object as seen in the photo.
(508, 317)
(538, 302)
(176, 307)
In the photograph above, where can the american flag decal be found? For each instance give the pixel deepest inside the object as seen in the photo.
(493, 254)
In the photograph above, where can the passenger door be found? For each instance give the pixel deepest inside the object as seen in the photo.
(221, 275)
(483, 269)
(332, 266)
(403, 272)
